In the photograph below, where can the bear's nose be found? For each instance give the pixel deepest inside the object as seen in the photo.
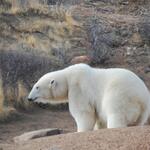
(30, 99)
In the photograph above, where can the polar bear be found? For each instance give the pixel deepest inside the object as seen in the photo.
(112, 97)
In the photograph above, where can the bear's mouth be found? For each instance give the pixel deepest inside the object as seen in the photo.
(35, 99)
(41, 100)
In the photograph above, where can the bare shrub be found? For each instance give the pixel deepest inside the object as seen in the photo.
(19, 73)
(103, 40)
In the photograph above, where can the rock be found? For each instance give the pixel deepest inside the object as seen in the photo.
(147, 70)
(136, 39)
(36, 134)
(129, 52)
(81, 59)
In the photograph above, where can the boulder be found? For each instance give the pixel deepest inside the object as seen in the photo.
(131, 138)
(36, 134)
(81, 59)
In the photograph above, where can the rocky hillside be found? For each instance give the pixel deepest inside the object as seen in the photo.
(40, 36)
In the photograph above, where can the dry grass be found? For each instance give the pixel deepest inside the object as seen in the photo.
(54, 30)
(17, 6)
(5, 112)
(32, 27)
(22, 102)
(31, 40)
(57, 26)
(58, 32)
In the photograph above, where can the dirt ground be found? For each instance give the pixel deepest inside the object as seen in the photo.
(37, 119)
(131, 138)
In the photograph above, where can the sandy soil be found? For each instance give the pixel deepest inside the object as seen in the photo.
(131, 138)
(37, 119)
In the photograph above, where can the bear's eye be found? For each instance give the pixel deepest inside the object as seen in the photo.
(37, 87)
(52, 81)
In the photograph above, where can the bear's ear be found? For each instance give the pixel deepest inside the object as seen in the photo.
(52, 83)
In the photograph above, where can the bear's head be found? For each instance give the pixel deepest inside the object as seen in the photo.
(52, 86)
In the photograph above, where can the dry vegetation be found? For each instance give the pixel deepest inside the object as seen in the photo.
(34, 36)
(39, 36)
(55, 25)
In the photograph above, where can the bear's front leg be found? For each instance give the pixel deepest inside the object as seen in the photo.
(85, 121)
(85, 118)
(81, 110)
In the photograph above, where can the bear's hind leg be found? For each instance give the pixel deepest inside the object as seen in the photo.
(116, 121)
(144, 118)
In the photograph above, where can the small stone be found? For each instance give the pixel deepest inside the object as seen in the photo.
(147, 70)
(129, 51)
(136, 39)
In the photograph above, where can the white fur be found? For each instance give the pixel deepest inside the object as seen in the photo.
(108, 97)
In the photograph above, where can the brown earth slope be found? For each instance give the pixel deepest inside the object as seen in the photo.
(133, 138)
(35, 120)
